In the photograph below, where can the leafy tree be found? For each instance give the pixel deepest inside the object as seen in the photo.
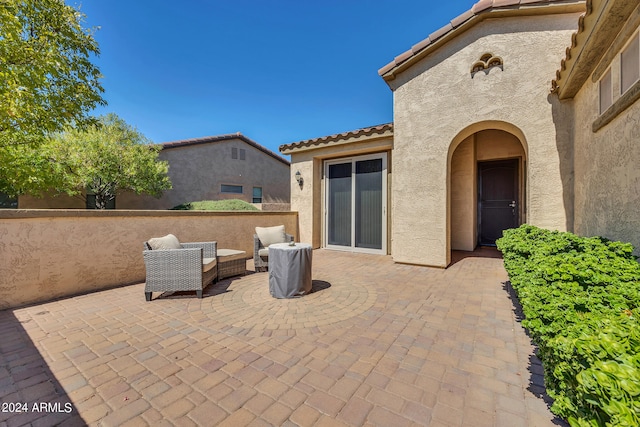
(47, 82)
(25, 169)
(104, 159)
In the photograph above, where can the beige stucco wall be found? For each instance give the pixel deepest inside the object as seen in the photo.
(308, 200)
(305, 199)
(464, 196)
(437, 103)
(607, 166)
(197, 172)
(45, 254)
(494, 144)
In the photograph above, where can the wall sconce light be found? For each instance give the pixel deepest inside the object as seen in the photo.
(299, 179)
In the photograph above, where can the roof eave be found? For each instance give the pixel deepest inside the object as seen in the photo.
(468, 20)
(219, 138)
(597, 30)
(361, 135)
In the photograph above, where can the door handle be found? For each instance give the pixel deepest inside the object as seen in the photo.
(512, 204)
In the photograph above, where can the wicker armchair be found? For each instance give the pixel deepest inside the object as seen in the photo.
(190, 268)
(261, 253)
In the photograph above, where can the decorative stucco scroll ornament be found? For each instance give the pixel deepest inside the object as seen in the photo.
(486, 63)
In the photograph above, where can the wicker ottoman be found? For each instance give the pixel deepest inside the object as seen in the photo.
(231, 263)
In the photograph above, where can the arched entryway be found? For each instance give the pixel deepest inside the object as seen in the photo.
(486, 184)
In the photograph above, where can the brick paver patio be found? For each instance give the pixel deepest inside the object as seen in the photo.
(376, 344)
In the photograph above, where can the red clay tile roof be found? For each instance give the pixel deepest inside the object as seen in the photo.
(478, 8)
(574, 43)
(220, 138)
(368, 131)
(590, 43)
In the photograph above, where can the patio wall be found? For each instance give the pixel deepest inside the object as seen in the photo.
(46, 254)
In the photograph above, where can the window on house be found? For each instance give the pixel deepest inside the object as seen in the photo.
(243, 154)
(235, 189)
(7, 202)
(606, 92)
(234, 153)
(257, 194)
(630, 64)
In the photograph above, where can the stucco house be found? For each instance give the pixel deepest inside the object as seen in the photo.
(229, 166)
(219, 167)
(515, 111)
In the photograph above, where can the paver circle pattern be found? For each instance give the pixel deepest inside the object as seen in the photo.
(246, 303)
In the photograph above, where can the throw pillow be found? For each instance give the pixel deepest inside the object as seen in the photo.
(167, 242)
(271, 235)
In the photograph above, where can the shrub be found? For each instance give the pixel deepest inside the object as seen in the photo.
(217, 205)
(581, 301)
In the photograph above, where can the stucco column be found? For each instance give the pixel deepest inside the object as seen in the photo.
(305, 198)
(419, 205)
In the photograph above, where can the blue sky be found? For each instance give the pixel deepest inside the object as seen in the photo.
(278, 71)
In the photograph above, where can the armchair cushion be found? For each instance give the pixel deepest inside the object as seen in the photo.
(270, 235)
(167, 242)
(208, 264)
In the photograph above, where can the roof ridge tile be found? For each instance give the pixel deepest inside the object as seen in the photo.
(501, 3)
(220, 138)
(441, 31)
(421, 45)
(481, 6)
(462, 18)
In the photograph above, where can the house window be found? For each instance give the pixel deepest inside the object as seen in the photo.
(630, 64)
(234, 153)
(257, 194)
(7, 202)
(606, 91)
(235, 189)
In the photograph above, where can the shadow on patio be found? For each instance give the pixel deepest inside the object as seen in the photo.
(29, 391)
(377, 343)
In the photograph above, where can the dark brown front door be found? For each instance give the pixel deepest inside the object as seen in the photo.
(498, 199)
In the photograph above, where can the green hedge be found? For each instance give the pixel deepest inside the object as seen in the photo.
(217, 205)
(580, 298)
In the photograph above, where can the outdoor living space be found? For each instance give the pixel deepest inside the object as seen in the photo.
(375, 343)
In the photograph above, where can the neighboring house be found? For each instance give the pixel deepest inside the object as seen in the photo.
(219, 167)
(485, 139)
(210, 168)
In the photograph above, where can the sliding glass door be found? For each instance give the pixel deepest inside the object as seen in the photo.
(356, 199)
(339, 207)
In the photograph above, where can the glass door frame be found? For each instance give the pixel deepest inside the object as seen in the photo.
(384, 225)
